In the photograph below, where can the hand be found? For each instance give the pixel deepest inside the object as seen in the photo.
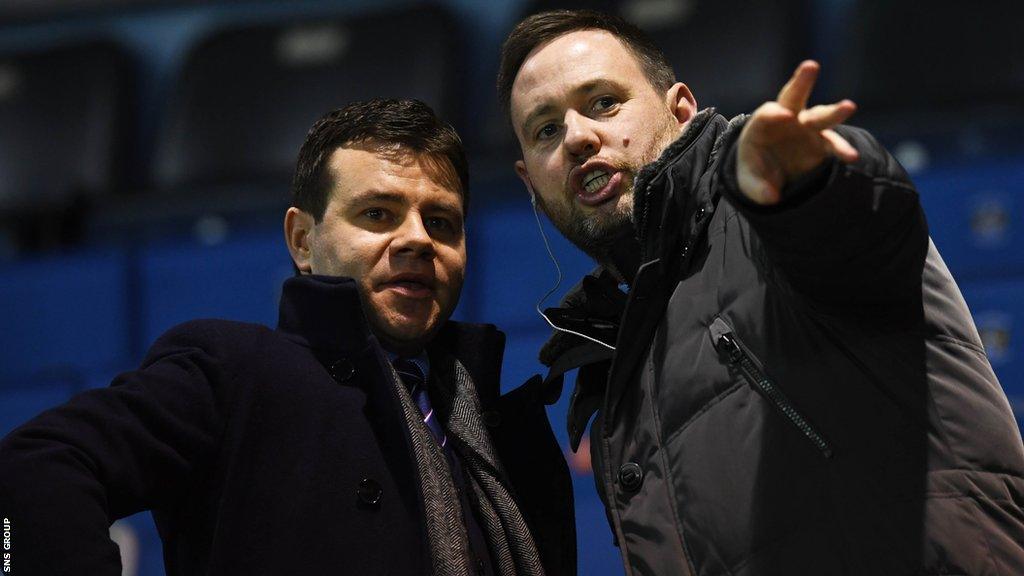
(784, 139)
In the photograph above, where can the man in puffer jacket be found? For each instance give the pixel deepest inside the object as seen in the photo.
(793, 384)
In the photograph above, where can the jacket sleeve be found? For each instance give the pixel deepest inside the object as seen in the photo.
(67, 474)
(846, 233)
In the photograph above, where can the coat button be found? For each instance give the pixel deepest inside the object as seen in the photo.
(369, 492)
(631, 476)
(701, 212)
(342, 370)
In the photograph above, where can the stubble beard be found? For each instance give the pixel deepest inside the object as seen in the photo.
(601, 233)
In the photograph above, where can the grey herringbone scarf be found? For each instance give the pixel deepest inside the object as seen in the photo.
(454, 398)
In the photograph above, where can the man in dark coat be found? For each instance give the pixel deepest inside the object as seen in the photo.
(365, 435)
(793, 384)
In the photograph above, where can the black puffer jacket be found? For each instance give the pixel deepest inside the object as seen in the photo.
(795, 390)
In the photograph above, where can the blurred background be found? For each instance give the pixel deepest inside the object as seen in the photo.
(146, 148)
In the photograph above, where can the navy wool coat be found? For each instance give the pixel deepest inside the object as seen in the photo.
(266, 452)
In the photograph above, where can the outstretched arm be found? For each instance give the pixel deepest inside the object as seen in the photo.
(834, 211)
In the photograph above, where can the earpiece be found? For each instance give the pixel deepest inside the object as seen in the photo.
(558, 280)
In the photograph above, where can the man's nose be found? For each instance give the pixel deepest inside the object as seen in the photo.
(581, 139)
(412, 238)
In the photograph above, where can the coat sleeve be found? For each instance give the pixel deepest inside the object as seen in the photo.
(67, 474)
(846, 233)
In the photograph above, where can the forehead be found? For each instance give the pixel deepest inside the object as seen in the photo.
(359, 169)
(555, 67)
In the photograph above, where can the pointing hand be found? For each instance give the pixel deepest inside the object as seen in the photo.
(784, 139)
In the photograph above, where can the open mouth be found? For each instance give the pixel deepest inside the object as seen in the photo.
(410, 286)
(599, 185)
(595, 180)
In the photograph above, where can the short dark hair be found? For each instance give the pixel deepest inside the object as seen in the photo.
(393, 126)
(540, 28)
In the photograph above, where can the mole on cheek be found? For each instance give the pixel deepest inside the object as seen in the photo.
(625, 142)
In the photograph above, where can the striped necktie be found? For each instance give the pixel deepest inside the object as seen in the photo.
(413, 379)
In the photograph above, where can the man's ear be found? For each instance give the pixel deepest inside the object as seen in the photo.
(681, 103)
(525, 177)
(297, 228)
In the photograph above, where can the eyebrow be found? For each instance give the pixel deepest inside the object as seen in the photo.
(447, 207)
(397, 198)
(377, 196)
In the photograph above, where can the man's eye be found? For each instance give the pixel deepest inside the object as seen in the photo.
(604, 103)
(443, 224)
(376, 214)
(547, 131)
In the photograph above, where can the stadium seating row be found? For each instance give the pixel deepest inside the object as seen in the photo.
(240, 100)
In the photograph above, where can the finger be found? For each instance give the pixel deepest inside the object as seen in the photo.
(826, 116)
(773, 112)
(839, 147)
(766, 120)
(795, 93)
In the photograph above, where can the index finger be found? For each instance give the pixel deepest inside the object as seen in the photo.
(797, 91)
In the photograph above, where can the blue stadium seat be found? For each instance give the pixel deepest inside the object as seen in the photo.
(64, 138)
(976, 218)
(886, 54)
(62, 111)
(248, 95)
(65, 316)
(998, 311)
(238, 280)
(733, 55)
(883, 56)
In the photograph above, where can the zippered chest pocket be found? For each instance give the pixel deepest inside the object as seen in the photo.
(746, 364)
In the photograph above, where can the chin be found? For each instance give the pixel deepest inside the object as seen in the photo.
(617, 220)
(404, 333)
(399, 320)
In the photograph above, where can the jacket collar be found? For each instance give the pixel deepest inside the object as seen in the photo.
(672, 188)
(324, 313)
(670, 154)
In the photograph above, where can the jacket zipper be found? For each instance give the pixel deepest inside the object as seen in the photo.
(739, 358)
